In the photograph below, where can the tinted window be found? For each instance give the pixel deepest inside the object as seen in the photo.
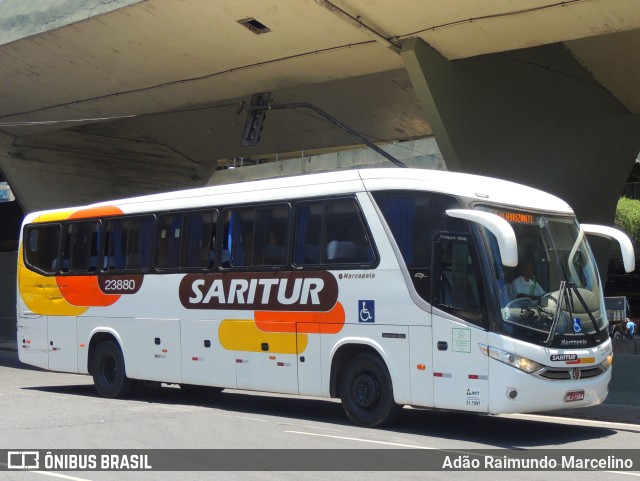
(309, 239)
(458, 288)
(128, 243)
(255, 236)
(169, 239)
(185, 240)
(80, 248)
(198, 242)
(414, 219)
(42, 243)
(331, 232)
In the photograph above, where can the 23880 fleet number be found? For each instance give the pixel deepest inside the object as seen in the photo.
(120, 284)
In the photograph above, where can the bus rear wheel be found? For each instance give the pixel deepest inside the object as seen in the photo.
(109, 375)
(367, 393)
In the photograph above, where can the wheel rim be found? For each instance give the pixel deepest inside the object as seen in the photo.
(109, 370)
(365, 390)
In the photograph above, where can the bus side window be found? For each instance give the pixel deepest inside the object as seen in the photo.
(186, 240)
(308, 234)
(331, 231)
(256, 237)
(128, 243)
(169, 236)
(80, 247)
(414, 218)
(42, 246)
(457, 287)
(197, 244)
(238, 240)
(271, 230)
(346, 238)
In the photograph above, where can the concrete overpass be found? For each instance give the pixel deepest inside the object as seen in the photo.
(109, 98)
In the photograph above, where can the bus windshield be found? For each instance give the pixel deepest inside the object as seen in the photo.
(553, 297)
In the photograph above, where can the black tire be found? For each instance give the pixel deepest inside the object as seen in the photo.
(109, 375)
(367, 393)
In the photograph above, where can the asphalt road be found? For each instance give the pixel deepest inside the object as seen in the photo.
(53, 411)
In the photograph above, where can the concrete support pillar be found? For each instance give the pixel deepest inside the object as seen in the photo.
(6, 143)
(534, 116)
(8, 268)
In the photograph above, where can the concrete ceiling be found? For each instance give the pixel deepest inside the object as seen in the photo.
(170, 74)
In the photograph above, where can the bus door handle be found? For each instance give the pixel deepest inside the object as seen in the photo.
(443, 346)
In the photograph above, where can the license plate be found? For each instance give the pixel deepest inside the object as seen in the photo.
(572, 396)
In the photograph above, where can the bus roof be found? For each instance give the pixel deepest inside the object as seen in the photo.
(486, 189)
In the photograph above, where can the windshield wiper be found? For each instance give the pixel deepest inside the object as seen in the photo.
(556, 318)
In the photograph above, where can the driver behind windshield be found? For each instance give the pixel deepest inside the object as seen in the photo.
(525, 285)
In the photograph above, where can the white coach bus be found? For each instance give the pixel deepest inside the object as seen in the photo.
(383, 287)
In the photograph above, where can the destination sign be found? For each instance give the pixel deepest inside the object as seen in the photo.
(517, 217)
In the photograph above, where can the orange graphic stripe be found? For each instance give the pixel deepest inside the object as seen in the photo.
(583, 360)
(330, 322)
(84, 291)
(105, 211)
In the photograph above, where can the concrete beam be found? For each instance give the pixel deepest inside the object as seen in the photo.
(534, 116)
(421, 154)
(24, 18)
(74, 167)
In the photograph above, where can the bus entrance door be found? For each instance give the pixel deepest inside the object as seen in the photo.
(460, 369)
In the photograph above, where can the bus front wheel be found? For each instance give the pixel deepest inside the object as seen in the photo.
(109, 375)
(366, 391)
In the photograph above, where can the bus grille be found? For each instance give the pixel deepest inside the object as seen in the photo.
(564, 374)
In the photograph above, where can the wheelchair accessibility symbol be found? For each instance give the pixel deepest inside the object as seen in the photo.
(577, 327)
(366, 311)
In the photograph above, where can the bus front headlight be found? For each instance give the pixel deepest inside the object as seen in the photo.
(522, 363)
(606, 364)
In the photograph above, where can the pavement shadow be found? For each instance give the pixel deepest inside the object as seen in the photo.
(9, 358)
(486, 430)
